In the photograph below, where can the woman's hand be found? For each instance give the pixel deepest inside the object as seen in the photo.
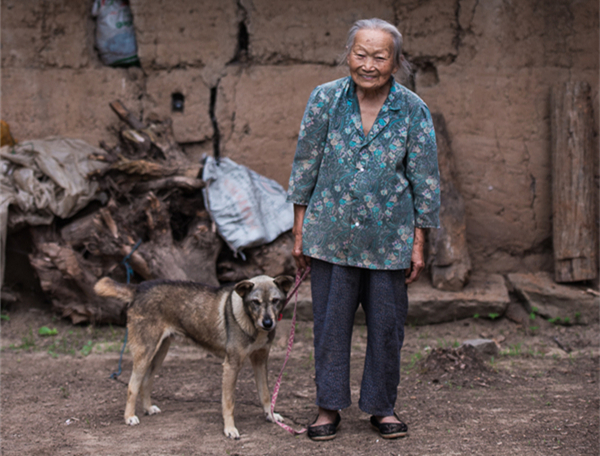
(417, 261)
(302, 261)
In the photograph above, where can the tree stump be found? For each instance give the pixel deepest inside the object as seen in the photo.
(573, 214)
(448, 254)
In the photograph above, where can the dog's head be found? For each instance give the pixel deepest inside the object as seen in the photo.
(264, 298)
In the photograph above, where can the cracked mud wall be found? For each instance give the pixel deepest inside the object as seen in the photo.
(486, 65)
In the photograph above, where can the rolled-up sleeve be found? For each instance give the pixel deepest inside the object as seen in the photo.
(422, 168)
(309, 151)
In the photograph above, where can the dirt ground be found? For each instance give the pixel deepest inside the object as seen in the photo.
(531, 399)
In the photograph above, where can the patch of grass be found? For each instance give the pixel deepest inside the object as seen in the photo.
(4, 317)
(476, 316)
(566, 321)
(513, 350)
(27, 342)
(493, 315)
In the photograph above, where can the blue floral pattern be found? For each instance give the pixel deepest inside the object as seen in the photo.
(365, 194)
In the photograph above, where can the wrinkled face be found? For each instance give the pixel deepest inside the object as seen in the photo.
(264, 298)
(371, 59)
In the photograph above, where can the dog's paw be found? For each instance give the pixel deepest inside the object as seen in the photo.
(274, 417)
(132, 420)
(231, 432)
(153, 410)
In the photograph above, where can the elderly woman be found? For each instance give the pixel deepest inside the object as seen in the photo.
(365, 185)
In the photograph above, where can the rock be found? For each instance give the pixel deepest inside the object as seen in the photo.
(483, 295)
(486, 347)
(515, 312)
(542, 295)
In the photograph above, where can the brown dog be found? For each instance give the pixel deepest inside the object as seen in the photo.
(232, 322)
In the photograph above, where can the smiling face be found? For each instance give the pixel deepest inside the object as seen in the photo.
(371, 59)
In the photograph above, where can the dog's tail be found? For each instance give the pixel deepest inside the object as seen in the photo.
(108, 288)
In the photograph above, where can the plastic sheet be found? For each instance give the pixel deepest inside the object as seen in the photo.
(248, 209)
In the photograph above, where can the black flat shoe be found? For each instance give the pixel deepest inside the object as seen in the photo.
(324, 431)
(390, 430)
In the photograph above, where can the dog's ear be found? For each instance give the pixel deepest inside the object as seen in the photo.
(244, 287)
(284, 283)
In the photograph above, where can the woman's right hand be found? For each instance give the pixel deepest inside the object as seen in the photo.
(302, 261)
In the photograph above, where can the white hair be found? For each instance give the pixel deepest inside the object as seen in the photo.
(378, 24)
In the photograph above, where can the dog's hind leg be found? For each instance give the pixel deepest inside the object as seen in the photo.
(148, 380)
(259, 365)
(231, 369)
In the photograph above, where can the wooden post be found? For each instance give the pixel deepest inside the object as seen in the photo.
(573, 214)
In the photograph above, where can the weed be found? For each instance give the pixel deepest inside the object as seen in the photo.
(414, 359)
(476, 316)
(87, 348)
(64, 392)
(493, 315)
(534, 328)
(4, 317)
(44, 331)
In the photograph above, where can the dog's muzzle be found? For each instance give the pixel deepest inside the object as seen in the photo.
(268, 323)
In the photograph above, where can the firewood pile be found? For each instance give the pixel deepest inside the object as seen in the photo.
(150, 223)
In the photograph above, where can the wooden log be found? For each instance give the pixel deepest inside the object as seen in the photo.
(448, 253)
(125, 115)
(573, 214)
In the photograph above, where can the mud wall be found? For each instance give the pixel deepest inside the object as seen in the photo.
(246, 68)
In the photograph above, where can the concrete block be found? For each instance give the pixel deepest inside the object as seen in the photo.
(311, 31)
(191, 125)
(553, 300)
(180, 33)
(259, 110)
(429, 29)
(72, 103)
(35, 34)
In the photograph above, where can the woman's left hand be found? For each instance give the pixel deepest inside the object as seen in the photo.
(417, 261)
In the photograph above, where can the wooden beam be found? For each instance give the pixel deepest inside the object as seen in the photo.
(573, 211)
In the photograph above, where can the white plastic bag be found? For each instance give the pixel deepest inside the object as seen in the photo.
(115, 37)
(248, 208)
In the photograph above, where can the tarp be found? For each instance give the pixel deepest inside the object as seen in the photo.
(42, 179)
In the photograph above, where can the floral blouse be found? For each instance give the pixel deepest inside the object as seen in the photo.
(365, 194)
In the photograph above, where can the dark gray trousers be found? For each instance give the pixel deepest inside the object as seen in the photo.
(336, 294)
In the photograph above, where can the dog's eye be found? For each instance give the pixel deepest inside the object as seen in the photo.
(275, 301)
(255, 302)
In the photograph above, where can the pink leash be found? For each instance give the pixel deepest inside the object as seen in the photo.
(299, 280)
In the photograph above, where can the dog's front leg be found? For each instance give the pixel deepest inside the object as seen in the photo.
(231, 368)
(259, 365)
